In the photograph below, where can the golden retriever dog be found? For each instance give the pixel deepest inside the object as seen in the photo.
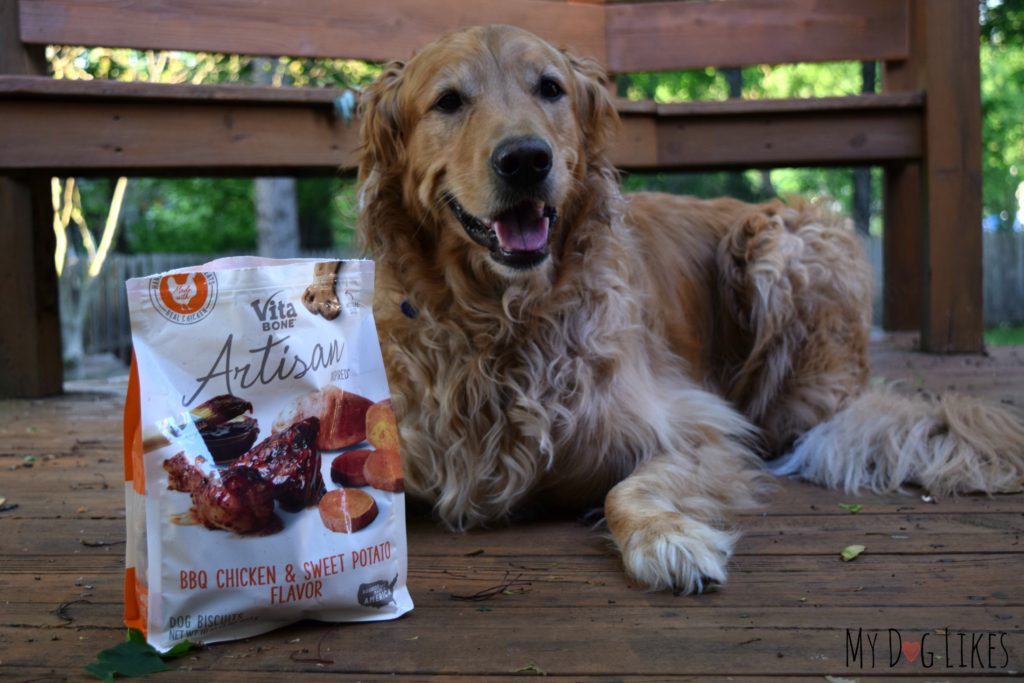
(551, 342)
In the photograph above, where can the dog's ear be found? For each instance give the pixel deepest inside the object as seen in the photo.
(379, 123)
(594, 108)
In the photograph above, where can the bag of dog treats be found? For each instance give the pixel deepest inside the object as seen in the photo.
(263, 482)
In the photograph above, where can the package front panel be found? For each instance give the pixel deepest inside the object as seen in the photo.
(253, 380)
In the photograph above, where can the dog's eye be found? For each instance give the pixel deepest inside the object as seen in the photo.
(449, 102)
(550, 89)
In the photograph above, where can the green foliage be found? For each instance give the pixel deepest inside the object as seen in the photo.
(327, 213)
(327, 73)
(1002, 22)
(1005, 335)
(1002, 131)
(198, 215)
(802, 80)
(742, 185)
(674, 86)
(1002, 104)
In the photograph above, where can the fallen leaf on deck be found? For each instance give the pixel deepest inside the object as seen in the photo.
(851, 551)
(530, 668)
(133, 657)
(837, 679)
(29, 458)
(98, 544)
(8, 506)
(852, 508)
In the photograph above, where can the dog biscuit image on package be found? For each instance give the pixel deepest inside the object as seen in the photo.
(254, 497)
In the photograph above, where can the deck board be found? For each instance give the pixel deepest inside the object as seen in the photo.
(952, 566)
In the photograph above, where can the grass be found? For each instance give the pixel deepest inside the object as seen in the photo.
(1005, 336)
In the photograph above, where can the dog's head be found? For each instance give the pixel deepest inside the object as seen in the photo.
(486, 138)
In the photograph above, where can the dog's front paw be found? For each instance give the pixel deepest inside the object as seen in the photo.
(674, 552)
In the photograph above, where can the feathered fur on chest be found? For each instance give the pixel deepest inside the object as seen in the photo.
(496, 404)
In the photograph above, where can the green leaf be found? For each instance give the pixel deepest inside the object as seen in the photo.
(851, 551)
(178, 650)
(128, 658)
(532, 669)
(852, 508)
(100, 671)
(133, 657)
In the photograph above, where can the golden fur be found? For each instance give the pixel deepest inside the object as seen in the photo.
(647, 355)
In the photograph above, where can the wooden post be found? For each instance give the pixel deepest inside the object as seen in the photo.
(902, 247)
(30, 345)
(952, 315)
(903, 195)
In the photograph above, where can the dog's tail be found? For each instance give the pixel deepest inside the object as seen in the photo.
(882, 440)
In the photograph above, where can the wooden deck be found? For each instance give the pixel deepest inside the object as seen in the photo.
(943, 572)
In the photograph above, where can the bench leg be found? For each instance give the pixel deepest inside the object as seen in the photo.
(901, 247)
(952, 316)
(30, 344)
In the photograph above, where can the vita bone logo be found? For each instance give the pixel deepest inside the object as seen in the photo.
(184, 298)
(274, 313)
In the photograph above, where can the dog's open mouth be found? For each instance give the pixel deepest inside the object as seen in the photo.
(516, 237)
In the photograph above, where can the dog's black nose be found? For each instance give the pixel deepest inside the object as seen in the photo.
(522, 161)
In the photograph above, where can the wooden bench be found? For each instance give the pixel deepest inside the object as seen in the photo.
(924, 128)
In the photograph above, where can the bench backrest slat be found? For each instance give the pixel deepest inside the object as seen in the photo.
(640, 36)
(691, 35)
(378, 30)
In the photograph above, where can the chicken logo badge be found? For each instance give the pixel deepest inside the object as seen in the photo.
(184, 298)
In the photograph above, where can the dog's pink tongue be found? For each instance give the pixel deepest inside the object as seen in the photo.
(523, 228)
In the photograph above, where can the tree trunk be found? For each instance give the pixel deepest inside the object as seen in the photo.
(862, 174)
(277, 216)
(735, 183)
(277, 220)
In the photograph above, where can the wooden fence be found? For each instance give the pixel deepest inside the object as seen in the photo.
(107, 329)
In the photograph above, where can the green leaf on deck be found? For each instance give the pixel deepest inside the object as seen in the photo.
(133, 657)
(852, 508)
(178, 650)
(532, 669)
(851, 551)
(127, 659)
